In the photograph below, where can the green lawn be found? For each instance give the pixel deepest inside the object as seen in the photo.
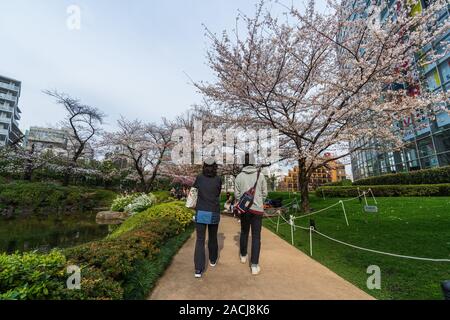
(413, 226)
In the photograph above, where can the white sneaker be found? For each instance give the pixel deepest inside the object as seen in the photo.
(243, 259)
(198, 274)
(213, 264)
(255, 270)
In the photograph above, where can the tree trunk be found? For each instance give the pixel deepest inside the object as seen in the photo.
(29, 165)
(67, 175)
(303, 182)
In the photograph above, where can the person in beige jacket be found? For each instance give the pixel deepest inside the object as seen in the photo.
(253, 218)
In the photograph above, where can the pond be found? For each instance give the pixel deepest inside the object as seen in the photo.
(43, 234)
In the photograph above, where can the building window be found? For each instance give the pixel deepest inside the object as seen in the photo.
(444, 69)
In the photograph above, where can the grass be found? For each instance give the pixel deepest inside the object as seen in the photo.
(147, 272)
(413, 226)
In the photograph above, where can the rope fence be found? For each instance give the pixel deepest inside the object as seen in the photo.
(312, 230)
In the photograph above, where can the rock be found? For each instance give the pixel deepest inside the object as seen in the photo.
(111, 215)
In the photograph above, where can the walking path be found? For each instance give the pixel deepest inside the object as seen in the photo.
(286, 273)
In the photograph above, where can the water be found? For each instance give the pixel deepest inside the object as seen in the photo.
(43, 234)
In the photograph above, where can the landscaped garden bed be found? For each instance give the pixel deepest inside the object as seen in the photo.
(125, 265)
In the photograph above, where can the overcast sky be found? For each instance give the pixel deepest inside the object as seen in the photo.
(129, 58)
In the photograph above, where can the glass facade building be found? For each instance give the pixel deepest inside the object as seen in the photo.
(426, 135)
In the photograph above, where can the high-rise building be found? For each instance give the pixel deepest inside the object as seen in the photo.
(9, 111)
(426, 134)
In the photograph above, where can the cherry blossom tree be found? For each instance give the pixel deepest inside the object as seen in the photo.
(83, 123)
(322, 79)
(144, 146)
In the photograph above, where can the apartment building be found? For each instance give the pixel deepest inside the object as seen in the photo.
(9, 110)
(334, 171)
(57, 141)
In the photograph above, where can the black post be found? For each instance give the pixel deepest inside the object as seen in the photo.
(312, 223)
(446, 289)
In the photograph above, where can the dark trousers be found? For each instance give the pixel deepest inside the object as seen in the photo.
(254, 222)
(213, 246)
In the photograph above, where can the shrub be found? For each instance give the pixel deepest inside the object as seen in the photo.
(95, 286)
(141, 203)
(110, 262)
(173, 211)
(36, 195)
(162, 196)
(32, 276)
(147, 272)
(387, 190)
(426, 176)
(121, 202)
(344, 182)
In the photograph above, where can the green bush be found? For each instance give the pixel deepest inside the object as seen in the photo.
(111, 262)
(426, 176)
(147, 272)
(387, 190)
(174, 210)
(121, 202)
(162, 196)
(36, 195)
(32, 276)
(344, 182)
(141, 203)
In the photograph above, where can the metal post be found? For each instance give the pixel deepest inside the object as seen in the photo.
(345, 214)
(373, 196)
(278, 221)
(291, 222)
(310, 240)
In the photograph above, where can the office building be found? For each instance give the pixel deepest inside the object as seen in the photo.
(426, 134)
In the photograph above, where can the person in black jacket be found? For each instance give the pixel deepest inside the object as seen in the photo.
(209, 186)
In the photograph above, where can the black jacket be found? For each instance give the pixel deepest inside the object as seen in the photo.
(209, 189)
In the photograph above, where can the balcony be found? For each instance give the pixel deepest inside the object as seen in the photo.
(9, 87)
(6, 107)
(4, 131)
(8, 97)
(5, 120)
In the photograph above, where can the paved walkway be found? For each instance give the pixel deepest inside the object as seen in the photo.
(286, 274)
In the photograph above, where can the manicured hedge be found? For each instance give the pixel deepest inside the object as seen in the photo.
(344, 182)
(387, 190)
(426, 176)
(175, 210)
